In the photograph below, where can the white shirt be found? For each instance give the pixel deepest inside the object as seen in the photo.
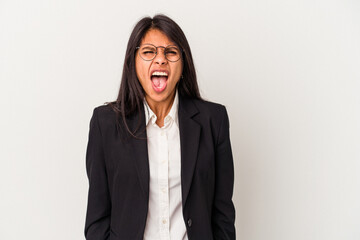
(165, 218)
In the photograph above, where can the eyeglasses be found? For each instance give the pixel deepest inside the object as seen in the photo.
(148, 52)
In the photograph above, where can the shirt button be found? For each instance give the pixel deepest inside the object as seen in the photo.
(189, 222)
(163, 190)
(164, 221)
(162, 134)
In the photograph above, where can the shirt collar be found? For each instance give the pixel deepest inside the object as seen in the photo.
(172, 115)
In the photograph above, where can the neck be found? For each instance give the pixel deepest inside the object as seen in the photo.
(161, 109)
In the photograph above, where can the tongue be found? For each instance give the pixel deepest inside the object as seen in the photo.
(159, 82)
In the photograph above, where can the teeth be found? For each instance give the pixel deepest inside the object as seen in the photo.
(159, 74)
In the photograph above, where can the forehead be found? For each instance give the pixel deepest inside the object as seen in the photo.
(157, 38)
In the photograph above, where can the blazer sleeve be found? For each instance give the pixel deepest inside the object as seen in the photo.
(223, 212)
(97, 224)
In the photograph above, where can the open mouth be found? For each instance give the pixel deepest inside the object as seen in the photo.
(159, 80)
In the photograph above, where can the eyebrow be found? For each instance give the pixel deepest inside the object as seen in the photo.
(172, 44)
(148, 47)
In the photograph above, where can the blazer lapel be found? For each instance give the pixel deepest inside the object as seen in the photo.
(140, 151)
(189, 143)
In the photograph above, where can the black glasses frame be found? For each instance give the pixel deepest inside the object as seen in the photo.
(156, 47)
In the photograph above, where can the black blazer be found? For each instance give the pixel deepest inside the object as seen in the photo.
(118, 172)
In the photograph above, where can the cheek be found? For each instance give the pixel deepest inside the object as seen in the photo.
(178, 71)
(141, 71)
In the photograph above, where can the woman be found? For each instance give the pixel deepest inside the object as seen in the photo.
(159, 158)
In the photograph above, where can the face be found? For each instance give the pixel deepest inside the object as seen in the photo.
(159, 76)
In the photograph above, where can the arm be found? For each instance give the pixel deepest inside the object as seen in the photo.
(223, 213)
(97, 225)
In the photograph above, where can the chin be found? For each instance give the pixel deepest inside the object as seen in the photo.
(159, 97)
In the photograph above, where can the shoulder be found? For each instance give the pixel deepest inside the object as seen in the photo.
(212, 117)
(105, 109)
(206, 113)
(104, 114)
(213, 110)
(209, 107)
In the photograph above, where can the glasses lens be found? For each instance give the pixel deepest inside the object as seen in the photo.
(172, 53)
(147, 52)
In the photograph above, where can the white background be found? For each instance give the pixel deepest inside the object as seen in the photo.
(287, 71)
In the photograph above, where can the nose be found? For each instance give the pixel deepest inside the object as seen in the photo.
(160, 56)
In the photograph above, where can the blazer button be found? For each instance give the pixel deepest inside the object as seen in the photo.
(189, 222)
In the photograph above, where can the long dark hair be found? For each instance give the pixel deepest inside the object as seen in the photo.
(131, 94)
